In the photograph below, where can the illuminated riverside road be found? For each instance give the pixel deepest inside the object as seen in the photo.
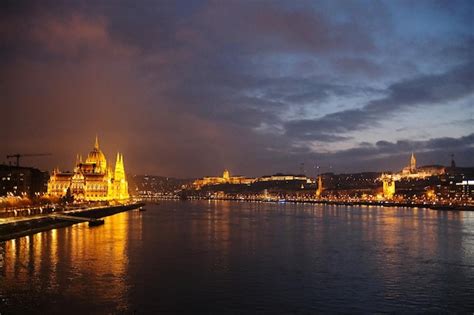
(222, 256)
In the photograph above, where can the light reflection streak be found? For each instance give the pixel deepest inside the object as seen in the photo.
(83, 258)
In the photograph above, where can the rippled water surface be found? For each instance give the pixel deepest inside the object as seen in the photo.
(244, 257)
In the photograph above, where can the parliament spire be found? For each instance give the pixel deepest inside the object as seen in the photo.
(96, 145)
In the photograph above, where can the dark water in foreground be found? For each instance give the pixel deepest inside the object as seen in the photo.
(245, 257)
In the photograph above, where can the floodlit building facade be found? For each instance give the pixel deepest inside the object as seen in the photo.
(92, 180)
(388, 186)
(226, 178)
(411, 171)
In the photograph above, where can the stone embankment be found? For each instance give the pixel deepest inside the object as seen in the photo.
(20, 226)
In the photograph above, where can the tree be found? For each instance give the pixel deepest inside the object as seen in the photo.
(68, 197)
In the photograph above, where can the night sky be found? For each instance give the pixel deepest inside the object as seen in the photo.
(188, 88)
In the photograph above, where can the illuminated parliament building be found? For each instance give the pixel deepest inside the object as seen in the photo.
(91, 180)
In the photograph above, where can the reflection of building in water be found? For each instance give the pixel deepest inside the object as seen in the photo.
(91, 180)
(420, 234)
(75, 263)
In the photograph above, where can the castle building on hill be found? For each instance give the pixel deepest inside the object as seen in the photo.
(411, 171)
(225, 179)
(91, 180)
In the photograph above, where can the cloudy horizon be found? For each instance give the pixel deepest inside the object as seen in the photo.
(188, 88)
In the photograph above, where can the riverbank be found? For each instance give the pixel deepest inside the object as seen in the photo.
(18, 227)
(395, 204)
(401, 204)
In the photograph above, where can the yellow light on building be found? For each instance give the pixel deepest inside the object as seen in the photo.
(91, 180)
(430, 194)
(388, 183)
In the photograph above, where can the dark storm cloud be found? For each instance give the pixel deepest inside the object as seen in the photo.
(382, 155)
(404, 146)
(383, 148)
(388, 154)
(215, 78)
(407, 94)
(269, 26)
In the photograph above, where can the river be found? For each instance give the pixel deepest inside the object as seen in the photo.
(235, 257)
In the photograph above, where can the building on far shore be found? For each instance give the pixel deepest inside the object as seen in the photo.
(91, 180)
(388, 186)
(411, 171)
(431, 183)
(20, 181)
(279, 177)
(226, 178)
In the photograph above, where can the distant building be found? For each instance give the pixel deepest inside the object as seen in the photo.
(91, 180)
(18, 180)
(352, 181)
(225, 179)
(284, 178)
(388, 186)
(412, 171)
(467, 189)
(457, 182)
(319, 191)
(241, 180)
(150, 186)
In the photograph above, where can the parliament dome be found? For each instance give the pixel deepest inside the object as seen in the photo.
(97, 157)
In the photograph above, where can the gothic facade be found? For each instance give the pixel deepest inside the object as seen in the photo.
(92, 180)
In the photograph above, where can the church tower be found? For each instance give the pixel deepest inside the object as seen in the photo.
(412, 163)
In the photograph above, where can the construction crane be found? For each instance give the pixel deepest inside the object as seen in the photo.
(19, 155)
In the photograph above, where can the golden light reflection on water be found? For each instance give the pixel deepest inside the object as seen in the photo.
(87, 263)
(217, 230)
(208, 248)
(403, 238)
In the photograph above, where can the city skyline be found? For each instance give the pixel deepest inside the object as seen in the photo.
(187, 89)
(236, 156)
